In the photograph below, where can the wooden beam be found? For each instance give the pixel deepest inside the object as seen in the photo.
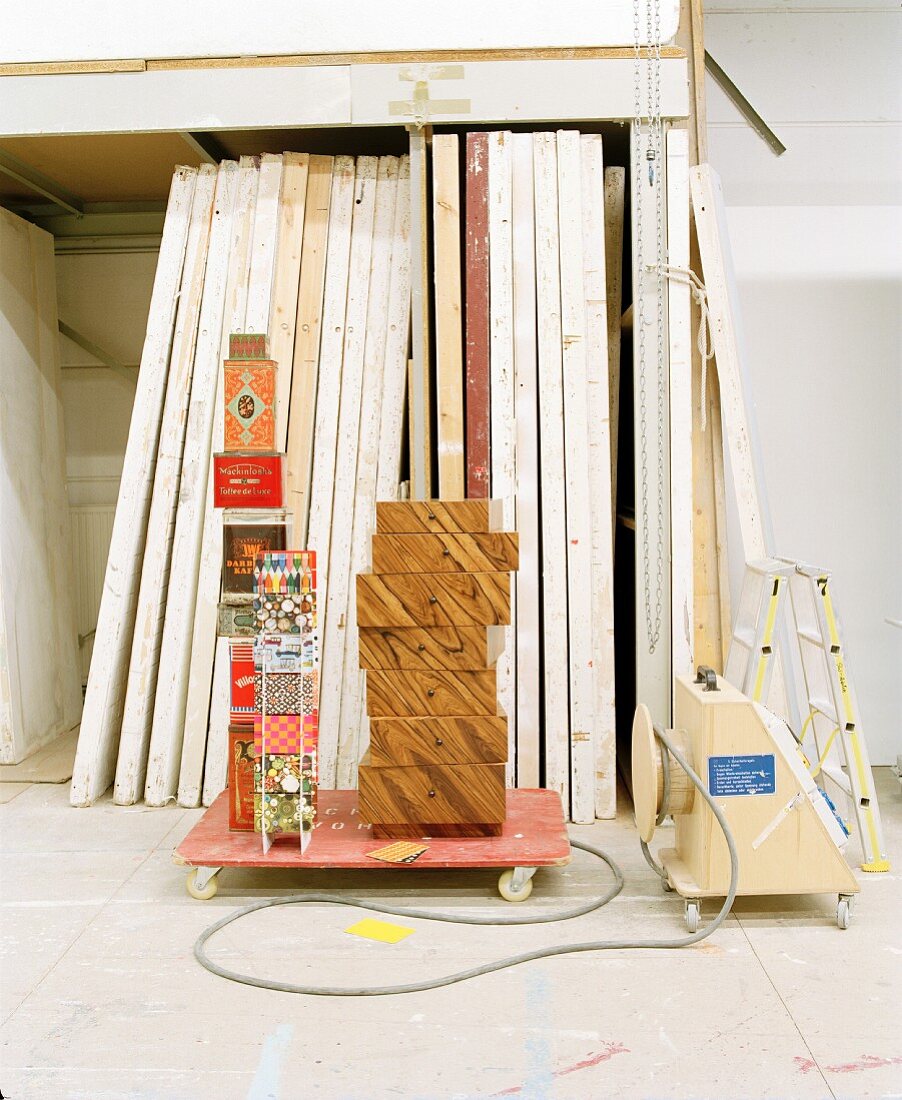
(419, 394)
(205, 146)
(124, 370)
(36, 181)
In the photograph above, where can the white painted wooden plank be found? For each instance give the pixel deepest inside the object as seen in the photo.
(551, 466)
(419, 401)
(448, 329)
(40, 688)
(196, 698)
(170, 29)
(679, 331)
(172, 678)
(176, 100)
(576, 470)
(305, 371)
(652, 449)
(137, 714)
(263, 261)
(529, 634)
(339, 561)
(599, 466)
(736, 412)
(364, 503)
(328, 396)
(216, 760)
(95, 759)
(504, 441)
(512, 91)
(388, 475)
(284, 304)
(265, 241)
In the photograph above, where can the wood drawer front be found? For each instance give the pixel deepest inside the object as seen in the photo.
(406, 517)
(431, 599)
(449, 794)
(486, 552)
(441, 647)
(417, 694)
(470, 740)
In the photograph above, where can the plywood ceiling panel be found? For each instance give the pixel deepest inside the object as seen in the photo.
(103, 167)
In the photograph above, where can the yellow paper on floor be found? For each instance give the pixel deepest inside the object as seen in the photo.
(379, 930)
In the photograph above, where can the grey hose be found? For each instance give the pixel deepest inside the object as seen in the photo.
(499, 964)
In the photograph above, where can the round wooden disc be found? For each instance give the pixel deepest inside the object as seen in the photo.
(645, 772)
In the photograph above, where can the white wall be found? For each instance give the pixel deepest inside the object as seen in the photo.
(815, 236)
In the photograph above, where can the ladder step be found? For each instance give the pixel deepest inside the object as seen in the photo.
(822, 706)
(745, 637)
(838, 776)
(814, 639)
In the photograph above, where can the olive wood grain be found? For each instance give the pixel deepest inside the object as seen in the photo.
(433, 599)
(404, 517)
(414, 694)
(478, 739)
(485, 552)
(454, 794)
(441, 647)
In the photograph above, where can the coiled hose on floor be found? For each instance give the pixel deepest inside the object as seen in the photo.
(500, 964)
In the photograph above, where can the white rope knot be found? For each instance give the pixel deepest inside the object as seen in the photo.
(699, 293)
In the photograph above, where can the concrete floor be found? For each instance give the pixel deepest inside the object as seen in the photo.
(101, 996)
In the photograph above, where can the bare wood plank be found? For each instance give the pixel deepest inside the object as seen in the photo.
(528, 643)
(149, 666)
(397, 346)
(501, 369)
(679, 329)
(352, 371)
(551, 465)
(477, 316)
(598, 407)
(576, 471)
(306, 356)
(448, 332)
(363, 500)
(614, 193)
(283, 305)
(95, 759)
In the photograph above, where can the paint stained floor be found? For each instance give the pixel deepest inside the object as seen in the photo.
(102, 999)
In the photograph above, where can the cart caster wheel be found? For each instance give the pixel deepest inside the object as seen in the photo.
(201, 893)
(843, 913)
(666, 887)
(692, 915)
(506, 890)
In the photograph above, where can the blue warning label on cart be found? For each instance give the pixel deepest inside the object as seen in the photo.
(730, 775)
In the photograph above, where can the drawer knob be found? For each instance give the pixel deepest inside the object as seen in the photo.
(446, 552)
(432, 794)
(431, 692)
(430, 515)
(433, 599)
(421, 647)
(439, 741)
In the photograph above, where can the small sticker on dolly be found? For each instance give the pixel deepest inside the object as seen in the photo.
(735, 775)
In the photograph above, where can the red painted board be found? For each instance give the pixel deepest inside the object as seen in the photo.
(247, 481)
(534, 835)
(477, 315)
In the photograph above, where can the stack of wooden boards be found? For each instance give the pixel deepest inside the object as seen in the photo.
(536, 425)
(440, 582)
(313, 251)
(317, 253)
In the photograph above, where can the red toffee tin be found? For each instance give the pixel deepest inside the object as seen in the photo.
(247, 481)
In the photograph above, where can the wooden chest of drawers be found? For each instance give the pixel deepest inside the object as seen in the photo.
(430, 615)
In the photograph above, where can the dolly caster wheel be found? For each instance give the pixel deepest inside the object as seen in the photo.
(665, 886)
(516, 884)
(693, 911)
(844, 912)
(201, 885)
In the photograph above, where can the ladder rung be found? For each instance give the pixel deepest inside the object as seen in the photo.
(821, 706)
(745, 638)
(814, 639)
(839, 777)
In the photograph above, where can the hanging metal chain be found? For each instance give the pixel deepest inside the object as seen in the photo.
(653, 157)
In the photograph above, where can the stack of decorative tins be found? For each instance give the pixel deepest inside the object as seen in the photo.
(430, 616)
